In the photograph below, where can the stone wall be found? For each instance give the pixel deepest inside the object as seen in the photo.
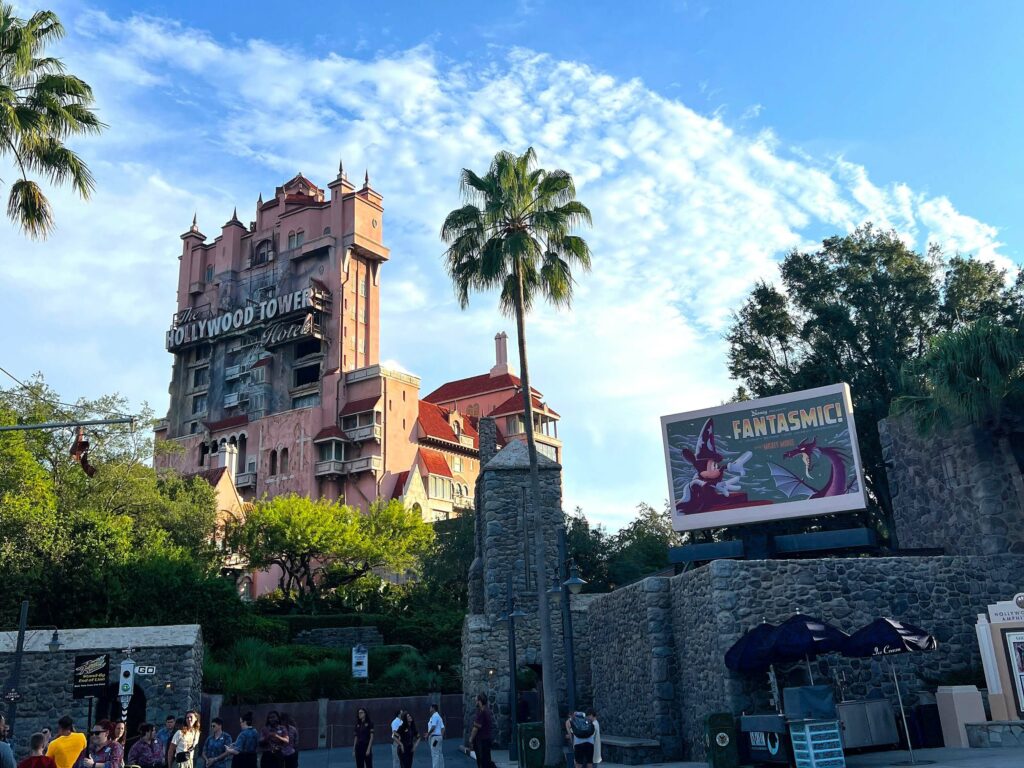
(711, 607)
(339, 637)
(958, 491)
(46, 680)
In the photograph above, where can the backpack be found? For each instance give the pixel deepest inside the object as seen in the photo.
(581, 727)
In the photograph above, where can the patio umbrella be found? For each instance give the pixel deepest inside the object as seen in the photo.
(884, 638)
(805, 637)
(752, 653)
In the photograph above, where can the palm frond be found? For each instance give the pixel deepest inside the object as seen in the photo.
(28, 206)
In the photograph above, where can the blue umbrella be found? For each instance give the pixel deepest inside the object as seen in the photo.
(753, 651)
(804, 638)
(883, 638)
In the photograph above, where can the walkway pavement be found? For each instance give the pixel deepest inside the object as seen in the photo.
(454, 758)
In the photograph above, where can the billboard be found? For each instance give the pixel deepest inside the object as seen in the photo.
(790, 455)
(90, 678)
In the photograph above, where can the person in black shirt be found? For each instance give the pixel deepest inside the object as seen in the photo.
(482, 736)
(362, 749)
(408, 737)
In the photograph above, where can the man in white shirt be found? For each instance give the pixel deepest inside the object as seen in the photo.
(435, 737)
(395, 725)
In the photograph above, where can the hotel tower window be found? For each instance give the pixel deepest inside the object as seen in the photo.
(199, 404)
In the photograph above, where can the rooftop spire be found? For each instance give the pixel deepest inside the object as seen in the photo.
(366, 178)
(195, 225)
(260, 201)
(234, 215)
(341, 168)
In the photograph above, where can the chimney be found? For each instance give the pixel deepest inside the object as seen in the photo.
(500, 355)
(231, 461)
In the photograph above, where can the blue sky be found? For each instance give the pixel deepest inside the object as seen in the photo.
(708, 139)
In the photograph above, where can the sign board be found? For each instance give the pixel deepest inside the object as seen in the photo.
(791, 455)
(1007, 611)
(143, 669)
(90, 676)
(360, 662)
(1014, 642)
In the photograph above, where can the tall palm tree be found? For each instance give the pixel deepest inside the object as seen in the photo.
(514, 234)
(41, 106)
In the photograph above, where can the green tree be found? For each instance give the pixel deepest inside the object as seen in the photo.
(41, 107)
(970, 376)
(514, 235)
(857, 310)
(313, 541)
(641, 548)
(27, 504)
(973, 289)
(590, 546)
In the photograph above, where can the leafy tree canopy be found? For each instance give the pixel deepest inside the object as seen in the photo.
(858, 310)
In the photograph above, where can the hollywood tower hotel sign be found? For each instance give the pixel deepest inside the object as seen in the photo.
(277, 380)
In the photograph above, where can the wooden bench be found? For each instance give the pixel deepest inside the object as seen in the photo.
(629, 750)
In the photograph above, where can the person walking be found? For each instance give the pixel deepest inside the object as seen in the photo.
(362, 748)
(290, 751)
(581, 731)
(408, 738)
(215, 748)
(36, 758)
(119, 734)
(592, 717)
(185, 741)
(396, 723)
(166, 732)
(244, 750)
(103, 751)
(435, 737)
(178, 724)
(68, 746)
(481, 737)
(273, 738)
(147, 752)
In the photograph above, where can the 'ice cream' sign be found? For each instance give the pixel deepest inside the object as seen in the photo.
(790, 455)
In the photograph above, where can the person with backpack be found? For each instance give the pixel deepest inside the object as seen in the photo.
(581, 731)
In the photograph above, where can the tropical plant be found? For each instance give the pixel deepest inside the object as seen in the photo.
(973, 375)
(41, 107)
(514, 235)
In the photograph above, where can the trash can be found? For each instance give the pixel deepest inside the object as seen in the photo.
(720, 733)
(531, 745)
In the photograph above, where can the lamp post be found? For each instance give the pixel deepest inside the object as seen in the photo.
(513, 614)
(565, 583)
(12, 695)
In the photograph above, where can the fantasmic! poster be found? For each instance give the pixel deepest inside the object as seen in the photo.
(789, 455)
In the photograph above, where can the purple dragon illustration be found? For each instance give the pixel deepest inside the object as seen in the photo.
(808, 450)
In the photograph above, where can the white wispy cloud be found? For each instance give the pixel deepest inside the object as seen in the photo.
(688, 212)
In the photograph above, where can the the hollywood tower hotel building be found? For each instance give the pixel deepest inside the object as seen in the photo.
(276, 379)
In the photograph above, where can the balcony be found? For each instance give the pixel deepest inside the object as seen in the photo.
(330, 467)
(361, 434)
(196, 288)
(348, 467)
(232, 399)
(232, 372)
(245, 480)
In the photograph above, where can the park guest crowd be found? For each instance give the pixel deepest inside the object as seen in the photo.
(176, 744)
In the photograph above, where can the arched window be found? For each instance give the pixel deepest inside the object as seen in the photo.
(273, 462)
(327, 230)
(284, 461)
(417, 509)
(300, 238)
(291, 239)
(262, 252)
(458, 428)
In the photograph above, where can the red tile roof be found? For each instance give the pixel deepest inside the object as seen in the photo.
(435, 462)
(400, 485)
(360, 406)
(434, 422)
(329, 433)
(515, 405)
(262, 361)
(231, 421)
(473, 386)
(212, 476)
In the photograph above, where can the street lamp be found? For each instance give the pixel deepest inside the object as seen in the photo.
(565, 583)
(514, 612)
(12, 695)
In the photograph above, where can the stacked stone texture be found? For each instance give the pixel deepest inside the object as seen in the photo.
(960, 491)
(46, 686)
(711, 607)
(340, 637)
(505, 526)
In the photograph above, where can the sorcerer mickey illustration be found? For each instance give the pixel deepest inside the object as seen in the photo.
(715, 483)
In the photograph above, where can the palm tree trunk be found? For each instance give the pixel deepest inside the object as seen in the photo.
(552, 726)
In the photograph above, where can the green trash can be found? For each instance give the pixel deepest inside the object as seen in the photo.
(531, 745)
(720, 733)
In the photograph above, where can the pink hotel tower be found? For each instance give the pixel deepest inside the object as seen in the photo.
(277, 385)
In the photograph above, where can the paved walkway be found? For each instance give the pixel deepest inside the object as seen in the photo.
(454, 758)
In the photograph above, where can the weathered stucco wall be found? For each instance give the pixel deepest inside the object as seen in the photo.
(958, 491)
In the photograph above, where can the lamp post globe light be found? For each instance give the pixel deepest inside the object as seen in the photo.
(565, 583)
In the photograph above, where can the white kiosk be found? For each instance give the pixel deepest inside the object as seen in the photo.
(1001, 641)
